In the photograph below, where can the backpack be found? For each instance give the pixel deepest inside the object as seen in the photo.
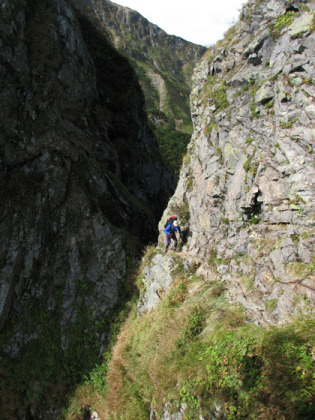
(170, 221)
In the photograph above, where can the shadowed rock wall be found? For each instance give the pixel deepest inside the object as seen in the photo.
(82, 186)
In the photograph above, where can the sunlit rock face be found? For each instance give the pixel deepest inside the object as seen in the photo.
(248, 178)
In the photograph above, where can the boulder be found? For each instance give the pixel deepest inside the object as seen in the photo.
(301, 25)
(264, 94)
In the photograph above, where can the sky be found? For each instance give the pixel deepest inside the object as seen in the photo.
(200, 21)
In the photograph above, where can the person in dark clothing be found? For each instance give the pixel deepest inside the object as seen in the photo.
(170, 229)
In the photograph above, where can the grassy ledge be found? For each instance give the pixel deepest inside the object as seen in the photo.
(197, 350)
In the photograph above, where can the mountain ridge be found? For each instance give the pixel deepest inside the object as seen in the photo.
(164, 64)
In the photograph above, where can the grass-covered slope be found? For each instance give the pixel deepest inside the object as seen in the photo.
(196, 353)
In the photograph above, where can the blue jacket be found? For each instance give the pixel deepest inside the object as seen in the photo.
(170, 228)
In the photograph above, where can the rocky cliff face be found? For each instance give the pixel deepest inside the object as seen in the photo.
(247, 182)
(82, 186)
(224, 329)
(78, 163)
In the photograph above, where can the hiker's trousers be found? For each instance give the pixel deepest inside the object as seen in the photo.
(169, 237)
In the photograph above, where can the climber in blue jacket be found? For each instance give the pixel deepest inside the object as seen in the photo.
(171, 226)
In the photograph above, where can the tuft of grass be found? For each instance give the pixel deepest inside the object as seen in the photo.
(177, 295)
(194, 326)
(248, 282)
(186, 160)
(271, 304)
(219, 151)
(269, 105)
(149, 253)
(300, 269)
(229, 34)
(216, 92)
(210, 127)
(284, 124)
(247, 164)
(182, 211)
(281, 22)
(253, 110)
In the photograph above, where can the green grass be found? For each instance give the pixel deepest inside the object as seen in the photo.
(247, 164)
(182, 211)
(281, 22)
(172, 143)
(248, 282)
(210, 127)
(249, 140)
(256, 373)
(271, 304)
(300, 269)
(219, 151)
(176, 71)
(215, 90)
(196, 348)
(253, 110)
(284, 124)
(213, 259)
